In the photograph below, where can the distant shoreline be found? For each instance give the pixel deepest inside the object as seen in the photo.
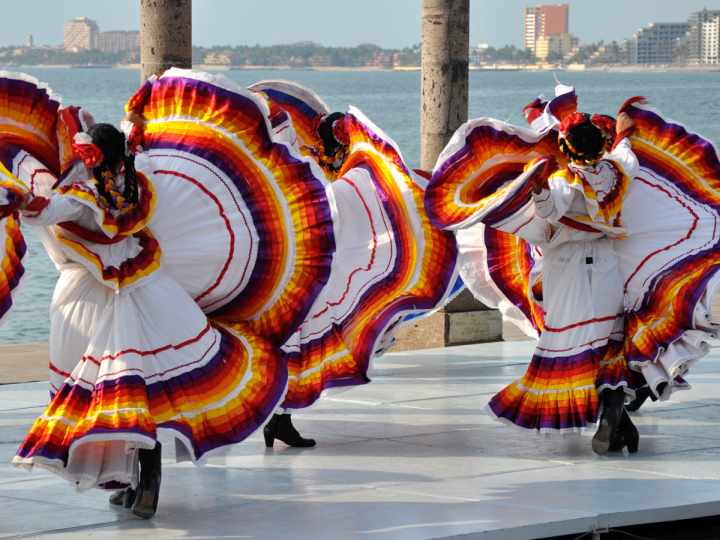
(610, 68)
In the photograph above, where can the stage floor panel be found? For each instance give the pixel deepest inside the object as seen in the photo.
(411, 456)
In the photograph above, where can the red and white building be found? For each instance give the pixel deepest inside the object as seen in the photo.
(545, 21)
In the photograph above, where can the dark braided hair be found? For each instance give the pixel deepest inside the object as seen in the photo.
(584, 142)
(330, 144)
(112, 143)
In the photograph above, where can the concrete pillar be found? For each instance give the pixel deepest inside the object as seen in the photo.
(444, 107)
(165, 35)
(444, 88)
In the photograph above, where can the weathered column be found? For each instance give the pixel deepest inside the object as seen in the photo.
(165, 35)
(444, 87)
(444, 107)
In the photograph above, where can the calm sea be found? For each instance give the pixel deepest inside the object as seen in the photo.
(392, 101)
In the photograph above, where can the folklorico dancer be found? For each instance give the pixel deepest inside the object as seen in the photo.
(409, 271)
(204, 220)
(315, 130)
(313, 134)
(600, 239)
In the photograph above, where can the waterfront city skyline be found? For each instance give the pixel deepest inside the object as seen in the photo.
(375, 21)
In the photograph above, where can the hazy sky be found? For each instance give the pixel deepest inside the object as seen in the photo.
(389, 23)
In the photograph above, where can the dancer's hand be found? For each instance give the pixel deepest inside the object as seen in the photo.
(134, 127)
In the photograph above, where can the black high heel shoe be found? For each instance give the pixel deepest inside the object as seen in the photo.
(280, 427)
(627, 435)
(613, 408)
(148, 489)
(123, 497)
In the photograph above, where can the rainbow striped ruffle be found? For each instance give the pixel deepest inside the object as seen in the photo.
(116, 274)
(36, 126)
(482, 176)
(301, 105)
(409, 268)
(28, 120)
(680, 175)
(235, 386)
(202, 124)
(11, 267)
(554, 394)
(112, 225)
(561, 393)
(11, 239)
(604, 215)
(28, 114)
(510, 261)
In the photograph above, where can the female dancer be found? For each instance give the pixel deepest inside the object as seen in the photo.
(132, 347)
(611, 258)
(146, 341)
(582, 283)
(113, 206)
(409, 270)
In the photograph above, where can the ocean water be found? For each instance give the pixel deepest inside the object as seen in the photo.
(392, 101)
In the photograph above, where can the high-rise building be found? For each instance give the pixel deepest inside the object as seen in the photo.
(80, 34)
(710, 53)
(657, 43)
(544, 21)
(118, 40)
(702, 38)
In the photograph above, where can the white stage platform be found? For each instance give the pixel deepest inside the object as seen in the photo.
(411, 456)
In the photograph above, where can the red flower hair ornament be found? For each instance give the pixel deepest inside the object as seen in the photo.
(605, 123)
(573, 120)
(578, 119)
(86, 150)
